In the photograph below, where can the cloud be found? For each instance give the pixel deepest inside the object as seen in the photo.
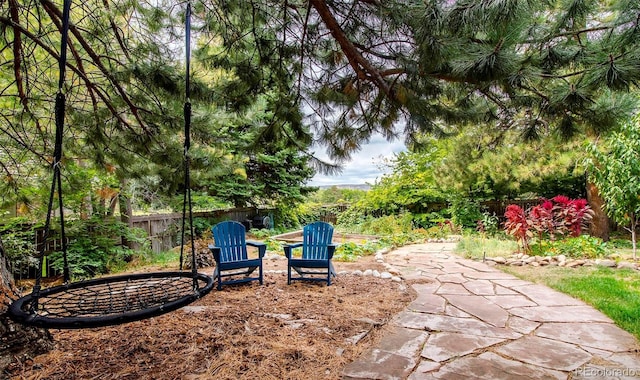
(364, 166)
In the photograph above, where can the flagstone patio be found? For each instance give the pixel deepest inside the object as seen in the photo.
(472, 321)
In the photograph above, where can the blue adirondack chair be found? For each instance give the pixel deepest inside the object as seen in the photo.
(230, 254)
(317, 252)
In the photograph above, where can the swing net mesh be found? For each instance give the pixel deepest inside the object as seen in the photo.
(111, 300)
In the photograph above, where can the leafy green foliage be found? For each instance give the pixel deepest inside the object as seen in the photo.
(476, 246)
(335, 195)
(583, 246)
(351, 251)
(465, 212)
(411, 186)
(93, 248)
(18, 239)
(386, 225)
(615, 169)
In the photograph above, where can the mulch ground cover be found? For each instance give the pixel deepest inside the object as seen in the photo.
(273, 331)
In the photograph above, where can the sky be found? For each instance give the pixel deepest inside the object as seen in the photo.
(364, 165)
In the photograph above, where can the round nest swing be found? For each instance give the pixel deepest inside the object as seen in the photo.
(110, 300)
(117, 299)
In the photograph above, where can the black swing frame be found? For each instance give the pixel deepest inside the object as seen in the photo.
(155, 298)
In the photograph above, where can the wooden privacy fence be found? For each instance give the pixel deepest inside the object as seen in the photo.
(163, 233)
(498, 208)
(163, 230)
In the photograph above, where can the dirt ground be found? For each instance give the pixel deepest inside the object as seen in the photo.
(274, 331)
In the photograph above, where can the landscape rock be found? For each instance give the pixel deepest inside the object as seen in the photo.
(627, 265)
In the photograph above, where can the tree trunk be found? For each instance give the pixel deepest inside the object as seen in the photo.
(18, 343)
(600, 222)
(634, 227)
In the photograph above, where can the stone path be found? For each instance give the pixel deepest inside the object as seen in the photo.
(472, 321)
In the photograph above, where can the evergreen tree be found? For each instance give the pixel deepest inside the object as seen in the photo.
(403, 68)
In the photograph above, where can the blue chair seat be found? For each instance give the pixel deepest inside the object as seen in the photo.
(317, 251)
(233, 264)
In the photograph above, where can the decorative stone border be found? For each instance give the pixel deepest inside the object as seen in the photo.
(521, 259)
(390, 272)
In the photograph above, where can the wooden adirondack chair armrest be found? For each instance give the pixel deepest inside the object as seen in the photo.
(331, 249)
(216, 252)
(288, 248)
(262, 247)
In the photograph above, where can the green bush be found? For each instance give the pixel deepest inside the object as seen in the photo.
(489, 225)
(351, 251)
(583, 246)
(93, 247)
(386, 225)
(465, 212)
(431, 219)
(274, 245)
(348, 251)
(18, 238)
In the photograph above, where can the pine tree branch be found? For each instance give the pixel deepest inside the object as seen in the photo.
(49, 50)
(302, 43)
(14, 136)
(116, 30)
(17, 49)
(53, 11)
(363, 68)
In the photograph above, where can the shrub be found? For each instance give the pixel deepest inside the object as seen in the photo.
(465, 212)
(348, 251)
(93, 247)
(517, 225)
(559, 216)
(583, 246)
(431, 219)
(19, 244)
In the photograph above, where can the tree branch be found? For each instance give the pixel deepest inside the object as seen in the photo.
(53, 11)
(364, 70)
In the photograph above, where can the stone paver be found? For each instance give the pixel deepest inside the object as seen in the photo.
(604, 336)
(548, 353)
(471, 321)
(444, 346)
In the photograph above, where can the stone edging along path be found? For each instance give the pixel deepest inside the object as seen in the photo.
(390, 273)
(560, 261)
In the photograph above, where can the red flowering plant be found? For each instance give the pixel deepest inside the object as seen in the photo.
(541, 219)
(560, 215)
(579, 216)
(517, 225)
(570, 216)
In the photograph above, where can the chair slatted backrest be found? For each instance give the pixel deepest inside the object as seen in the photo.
(316, 237)
(230, 237)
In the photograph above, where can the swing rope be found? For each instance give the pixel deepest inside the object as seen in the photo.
(57, 159)
(187, 146)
